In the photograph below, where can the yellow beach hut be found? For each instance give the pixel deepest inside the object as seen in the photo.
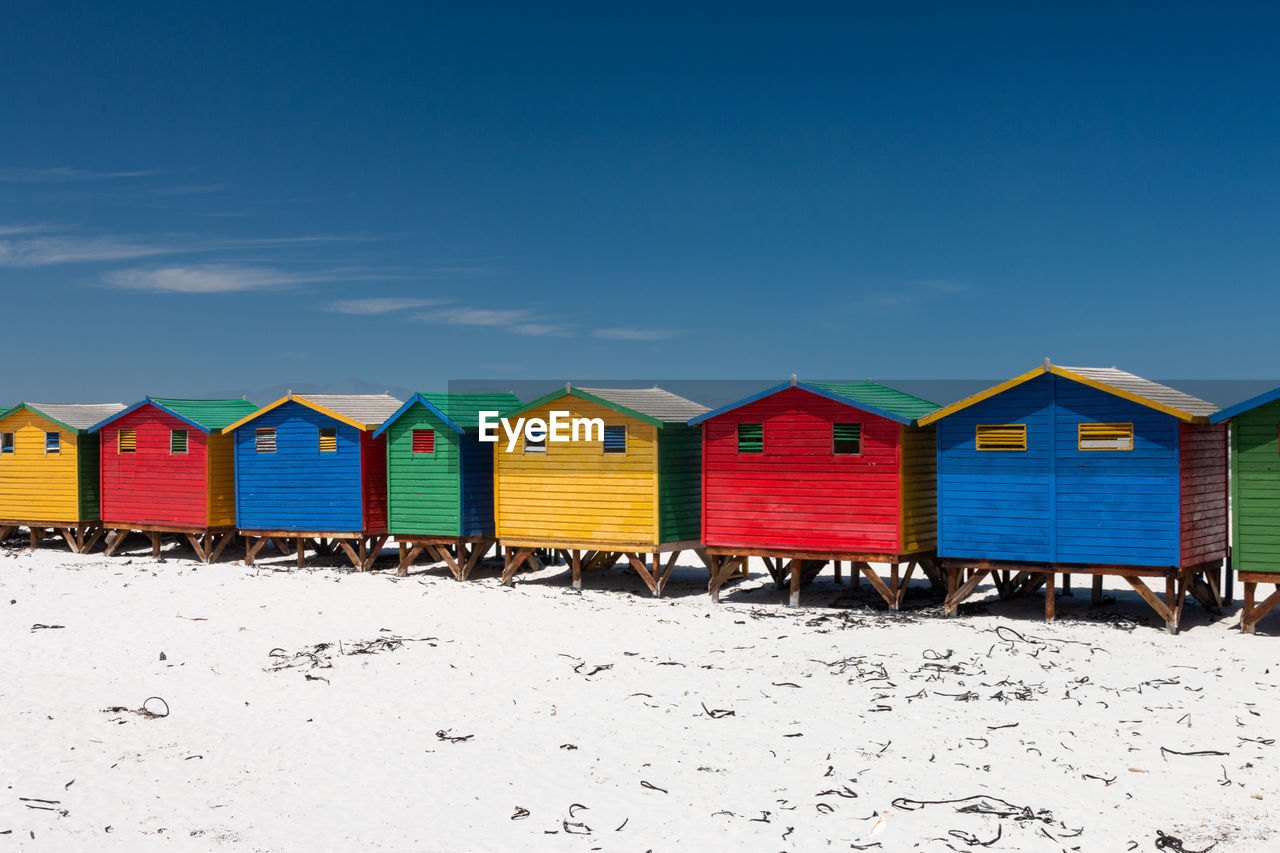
(49, 471)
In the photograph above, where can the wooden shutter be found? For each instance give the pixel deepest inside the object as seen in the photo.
(1105, 437)
(52, 442)
(846, 439)
(177, 441)
(1001, 437)
(126, 441)
(424, 441)
(264, 440)
(751, 438)
(615, 439)
(328, 440)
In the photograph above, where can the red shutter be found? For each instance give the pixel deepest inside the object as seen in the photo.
(424, 441)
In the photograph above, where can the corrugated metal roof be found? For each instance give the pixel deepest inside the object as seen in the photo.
(210, 414)
(1128, 383)
(881, 397)
(653, 402)
(464, 409)
(368, 409)
(78, 416)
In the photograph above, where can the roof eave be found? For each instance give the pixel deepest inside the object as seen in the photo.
(409, 404)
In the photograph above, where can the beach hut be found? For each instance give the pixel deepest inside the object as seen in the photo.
(440, 478)
(1255, 500)
(631, 490)
(168, 467)
(49, 471)
(807, 473)
(1074, 470)
(309, 472)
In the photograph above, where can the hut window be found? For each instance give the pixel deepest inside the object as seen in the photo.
(1105, 437)
(328, 439)
(177, 441)
(535, 445)
(424, 441)
(126, 441)
(751, 438)
(615, 439)
(6, 442)
(846, 439)
(264, 440)
(52, 442)
(1001, 437)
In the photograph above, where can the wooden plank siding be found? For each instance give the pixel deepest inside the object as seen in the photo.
(152, 486)
(1203, 467)
(297, 487)
(35, 486)
(423, 489)
(1255, 487)
(373, 460)
(679, 484)
(477, 486)
(574, 492)
(996, 505)
(90, 475)
(919, 488)
(798, 494)
(1115, 506)
(1160, 503)
(221, 480)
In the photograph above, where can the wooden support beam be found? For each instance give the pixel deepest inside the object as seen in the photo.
(515, 558)
(1161, 609)
(641, 569)
(1050, 593)
(1096, 597)
(965, 590)
(1252, 613)
(666, 573)
(155, 544)
(251, 548)
(301, 548)
(374, 551)
(66, 534)
(351, 553)
(478, 550)
(222, 541)
(900, 594)
(408, 557)
(797, 568)
(575, 564)
(876, 583)
(194, 539)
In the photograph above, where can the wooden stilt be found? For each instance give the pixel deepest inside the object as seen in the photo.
(1096, 598)
(796, 569)
(1050, 582)
(576, 564)
(836, 569)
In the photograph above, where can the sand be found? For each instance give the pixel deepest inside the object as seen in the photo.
(326, 710)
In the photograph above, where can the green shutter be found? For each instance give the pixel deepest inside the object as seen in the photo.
(751, 438)
(846, 439)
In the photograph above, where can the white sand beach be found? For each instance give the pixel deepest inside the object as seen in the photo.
(326, 710)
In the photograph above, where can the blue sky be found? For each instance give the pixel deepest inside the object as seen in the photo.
(239, 196)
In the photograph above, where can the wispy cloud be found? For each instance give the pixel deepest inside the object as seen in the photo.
(189, 189)
(518, 321)
(380, 305)
(42, 245)
(911, 293)
(60, 249)
(621, 334)
(66, 174)
(218, 278)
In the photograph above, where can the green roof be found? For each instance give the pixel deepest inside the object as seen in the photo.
(464, 409)
(210, 414)
(880, 396)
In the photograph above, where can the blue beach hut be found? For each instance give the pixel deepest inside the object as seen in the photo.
(310, 472)
(1081, 470)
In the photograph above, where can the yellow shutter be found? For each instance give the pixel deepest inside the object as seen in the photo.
(1105, 437)
(1001, 437)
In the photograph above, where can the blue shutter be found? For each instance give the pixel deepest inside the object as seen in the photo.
(615, 439)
